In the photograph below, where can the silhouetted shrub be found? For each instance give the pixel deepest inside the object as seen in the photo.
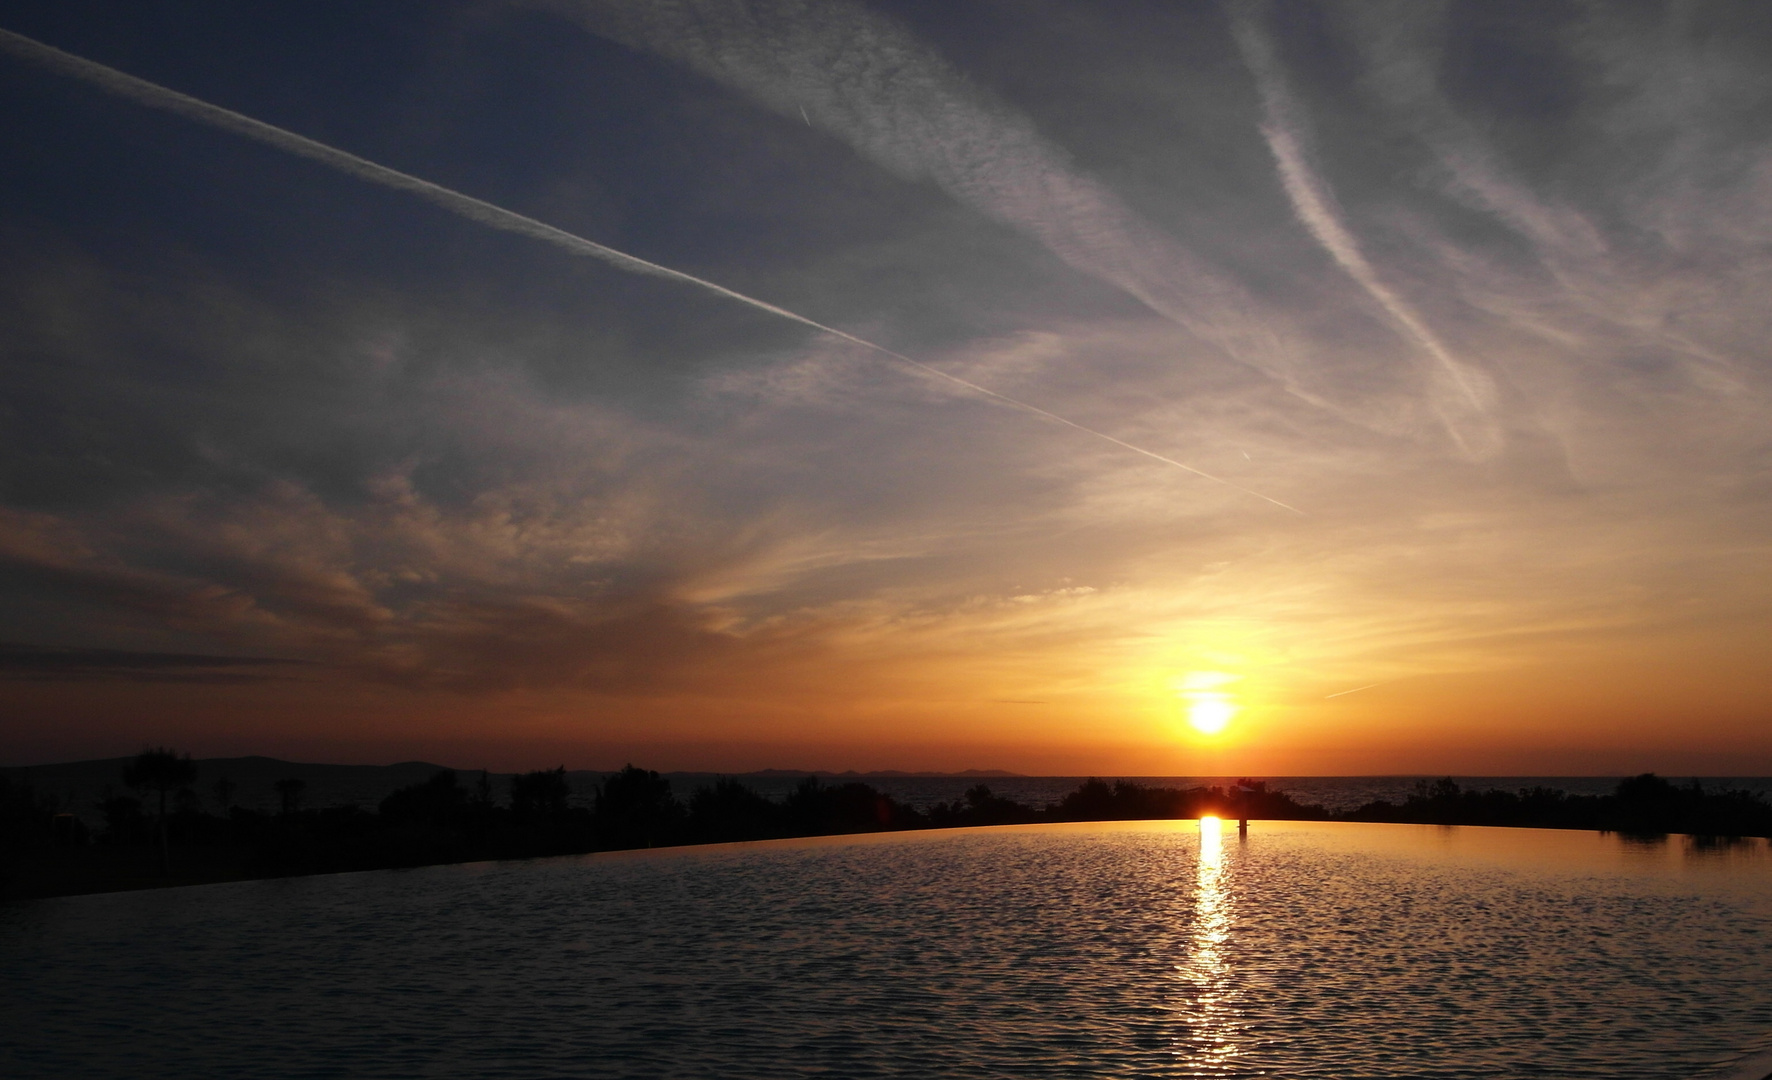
(540, 794)
(163, 772)
(224, 790)
(980, 807)
(1644, 805)
(291, 790)
(1092, 801)
(1095, 800)
(813, 809)
(437, 803)
(635, 808)
(728, 810)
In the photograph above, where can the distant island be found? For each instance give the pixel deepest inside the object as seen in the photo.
(163, 819)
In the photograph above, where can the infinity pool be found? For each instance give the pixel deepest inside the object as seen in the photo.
(1148, 949)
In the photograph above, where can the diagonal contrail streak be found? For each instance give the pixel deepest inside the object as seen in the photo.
(1314, 204)
(1355, 690)
(156, 96)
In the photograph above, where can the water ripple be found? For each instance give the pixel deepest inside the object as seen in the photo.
(1130, 949)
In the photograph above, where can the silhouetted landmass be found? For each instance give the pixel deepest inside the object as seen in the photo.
(1645, 805)
(251, 782)
(882, 774)
(46, 850)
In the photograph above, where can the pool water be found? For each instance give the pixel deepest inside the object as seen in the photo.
(1147, 949)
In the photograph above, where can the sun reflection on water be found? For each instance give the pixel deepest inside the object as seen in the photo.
(1209, 1008)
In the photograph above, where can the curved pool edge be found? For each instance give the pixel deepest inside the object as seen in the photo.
(1669, 841)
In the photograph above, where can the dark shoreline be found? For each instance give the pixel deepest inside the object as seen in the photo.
(443, 820)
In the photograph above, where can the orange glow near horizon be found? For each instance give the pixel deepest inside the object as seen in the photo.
(1107, 712)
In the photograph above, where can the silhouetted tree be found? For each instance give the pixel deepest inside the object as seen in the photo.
(439, 802)
(1092, 801)
(728, 810)
(987, 808)
(813, 809)
(1644, 805)
(224, 790)
(1251, 798)
(290, 790)
(981, 807)
(161, 770)
(542, 793)
(1647, 804)
(635, 809)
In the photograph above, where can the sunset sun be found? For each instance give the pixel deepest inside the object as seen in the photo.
(1209, 706)
(1209, 716)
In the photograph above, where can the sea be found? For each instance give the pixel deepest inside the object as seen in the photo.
(1329, 950)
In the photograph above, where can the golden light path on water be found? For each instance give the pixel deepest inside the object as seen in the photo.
(1209, 1008)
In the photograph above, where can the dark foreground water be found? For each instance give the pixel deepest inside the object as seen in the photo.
(1128, 949)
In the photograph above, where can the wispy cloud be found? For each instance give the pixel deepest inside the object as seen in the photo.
(1596, 279)
(868, 81)
(160, 97)
(1464, 394)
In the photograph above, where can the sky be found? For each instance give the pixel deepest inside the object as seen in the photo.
(1098, 387)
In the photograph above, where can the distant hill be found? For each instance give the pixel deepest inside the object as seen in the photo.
(851, 774)
(79, 786)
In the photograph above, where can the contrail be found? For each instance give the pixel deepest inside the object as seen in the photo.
(1315, 207)
(159, 97)
(1355, 690)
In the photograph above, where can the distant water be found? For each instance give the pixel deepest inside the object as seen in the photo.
(1331, 792)
(1146, 949)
